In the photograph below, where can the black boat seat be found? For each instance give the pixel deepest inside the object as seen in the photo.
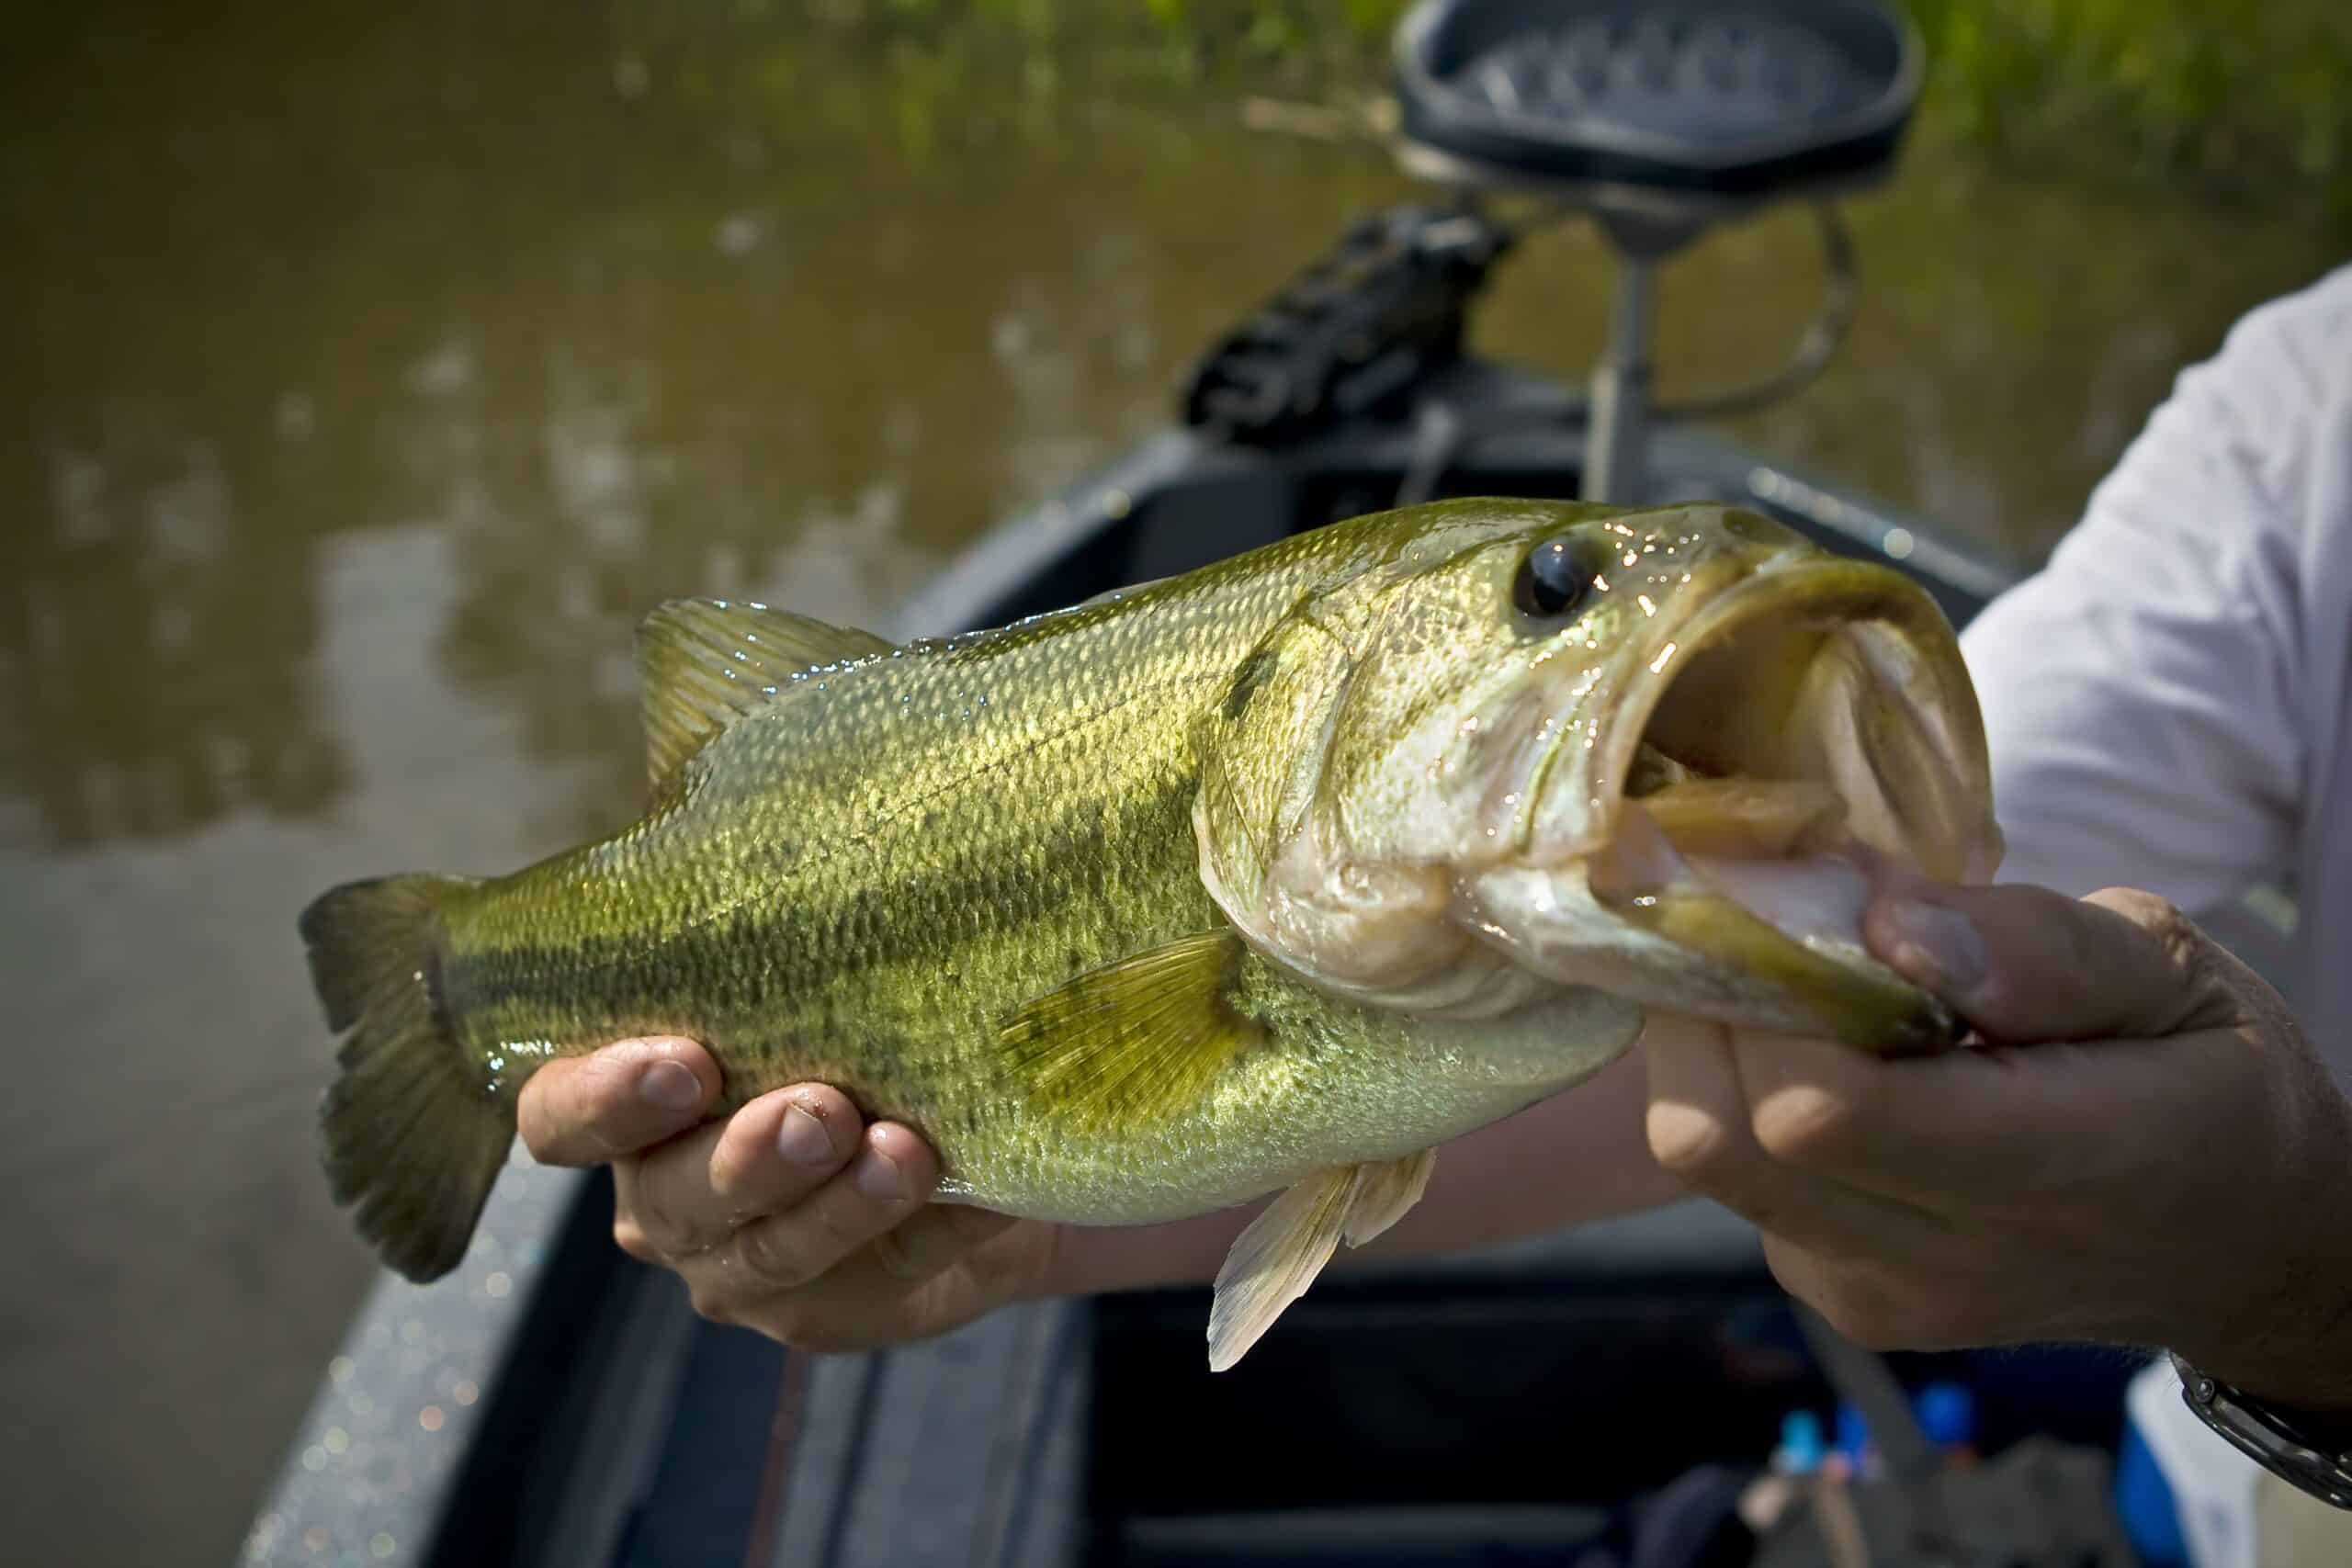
(1710, 101)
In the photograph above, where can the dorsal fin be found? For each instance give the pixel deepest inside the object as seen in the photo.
(703, 663)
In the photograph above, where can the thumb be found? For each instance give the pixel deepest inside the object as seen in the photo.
(591, 1110)
(2024, 963)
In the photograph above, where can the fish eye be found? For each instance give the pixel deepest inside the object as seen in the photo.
(1551, 581)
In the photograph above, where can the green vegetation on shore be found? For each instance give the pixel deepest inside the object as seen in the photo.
(2253, 101)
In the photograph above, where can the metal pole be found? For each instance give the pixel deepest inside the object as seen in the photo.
(1619, 433)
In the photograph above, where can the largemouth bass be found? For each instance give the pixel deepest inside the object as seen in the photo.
(1269, 877)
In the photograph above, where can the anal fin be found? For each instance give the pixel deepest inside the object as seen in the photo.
(1385, 1191)
(1279, 1255)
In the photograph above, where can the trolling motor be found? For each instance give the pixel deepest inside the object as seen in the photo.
(1655, 118)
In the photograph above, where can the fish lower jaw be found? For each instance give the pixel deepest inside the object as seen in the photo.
(1812, 889)
(1770, 941)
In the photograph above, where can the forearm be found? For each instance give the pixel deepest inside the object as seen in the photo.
(1574, 1158)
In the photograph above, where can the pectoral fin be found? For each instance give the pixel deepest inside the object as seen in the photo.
(1283, 1249)
(1133, 1040)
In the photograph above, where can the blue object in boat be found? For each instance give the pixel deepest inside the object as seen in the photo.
(1947, 1413)
(2144, 1500)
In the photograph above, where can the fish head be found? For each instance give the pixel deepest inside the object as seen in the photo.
(1668, 753)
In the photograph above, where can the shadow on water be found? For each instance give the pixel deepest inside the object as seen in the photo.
(371, 370)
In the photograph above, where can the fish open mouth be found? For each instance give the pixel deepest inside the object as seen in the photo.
(1804, 738)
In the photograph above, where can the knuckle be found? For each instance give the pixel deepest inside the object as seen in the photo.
(711, 1306)
(896, 1256)
(2170, 922)
(653, 1215)
(2209, 976)
(2183, 940)
(771, 1255)
(1808, 1124)
(2146, 910)
(836, 1230)
(632, 1240)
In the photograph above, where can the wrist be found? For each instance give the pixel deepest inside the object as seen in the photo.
(2306, 1368)
(2312, 1453)
(2279, 1319)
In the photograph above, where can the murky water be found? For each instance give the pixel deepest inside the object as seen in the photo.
(365, 372)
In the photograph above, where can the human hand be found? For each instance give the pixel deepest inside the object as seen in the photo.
(2146, 1151)
(791, 1216)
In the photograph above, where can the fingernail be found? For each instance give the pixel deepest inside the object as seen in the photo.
(879, 1176)
(1942, 940)
(670, 1086)
(802, 1139)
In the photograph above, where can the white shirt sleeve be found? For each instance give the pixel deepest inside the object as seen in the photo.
(2145, 695)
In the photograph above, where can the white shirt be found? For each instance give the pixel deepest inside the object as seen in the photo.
(2169, 700)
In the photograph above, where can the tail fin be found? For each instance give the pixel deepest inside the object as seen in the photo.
(412, 1134)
